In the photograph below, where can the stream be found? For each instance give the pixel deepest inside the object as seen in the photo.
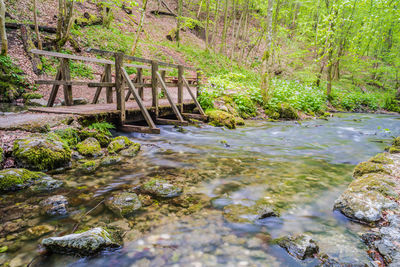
(300, 168)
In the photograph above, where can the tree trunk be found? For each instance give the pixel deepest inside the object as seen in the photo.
(178, 27)
(266, 71)
(65, 22)
(207, 23)
(216, 21)
(139, 29)
(222, 48)
(3, 33)
(36, 26)
(236, 36)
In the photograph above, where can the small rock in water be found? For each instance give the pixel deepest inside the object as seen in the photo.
(44, 184)
(265, 212)
(55, 206)
(83, 244)
(300, 246)
(110, 160)
(38, 231)
(161, 188)
(124, 204)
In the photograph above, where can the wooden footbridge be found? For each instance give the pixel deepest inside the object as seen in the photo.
(146, 105)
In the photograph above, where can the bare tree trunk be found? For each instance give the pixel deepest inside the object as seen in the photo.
(223, 43)
(198, 12)
(178, 27)
(207, 23)
(36, 26)
(266, 71)
(216, 21)
(65, 22)
(139, 29)
(3, 33)
(236, 36)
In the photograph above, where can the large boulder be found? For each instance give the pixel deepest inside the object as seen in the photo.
(161, 188)
(83, 244)
(90, 147)
(131, 151)
(119, 143)
(103, 138)
(124, 204)
(300, 246)
(221, 118)
(41, 152)
(287, 112)
(16, 179)
(54, 206)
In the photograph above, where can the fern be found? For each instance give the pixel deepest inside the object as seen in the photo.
(102, 127)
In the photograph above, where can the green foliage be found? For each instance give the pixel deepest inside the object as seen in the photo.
(102, 127)
(12, 83)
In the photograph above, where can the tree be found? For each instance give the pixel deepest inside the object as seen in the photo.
(36, 25)
(266, 64)
(178, 27)
(3, 33)
(139, 29)
(64, 22)
(207, 22)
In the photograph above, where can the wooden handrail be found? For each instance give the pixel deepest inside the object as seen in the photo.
(193, 97)
(73, 57)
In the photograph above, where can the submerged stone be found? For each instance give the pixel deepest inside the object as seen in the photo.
(88, 167)
(221, 118)
(110, 160)
(124, 204)
(119, 143)
(38, 231)
(54, 206)
(41, 152)
(367, 197)
(161, 188)
(300, 246)
(131, 151)
(83, 244)
(45, 184)
(90, 147)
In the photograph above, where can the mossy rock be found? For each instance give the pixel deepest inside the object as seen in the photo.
(300, 246)
(161, 188)
(131, 151)
(33, 127)
(124, 204)
(221, 118)
(90, 147)
(103, 138)
(287, 112)
(238, 213)
(119, 143)
(239, 121)
(38, 231)
(88, 167)
(394, 150)
(382, 158)
(16, 179)
(28, 96)
(69, 135)
(110, 160)
(369, 167)
(41, 152)
(272, 114)
(396, 142)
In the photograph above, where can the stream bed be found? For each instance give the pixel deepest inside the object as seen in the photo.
(298, 168)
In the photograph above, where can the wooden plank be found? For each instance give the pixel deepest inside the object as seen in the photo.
(154, 83)
(138, 129)
(73, 57)
(195, 116)
(180, 87)
(54, 90)
(108, 78)
(76, 83)
(193, 97)
(101, 84)
(163, 121)
(171, 102)
(142, 107)
(99, 88)
(119, 83)
(66, 76)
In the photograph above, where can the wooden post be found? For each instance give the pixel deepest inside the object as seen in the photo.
(140, 80)
(154, 85)
(108, 78)
(163, 74)
(119, 86)
(66, 76)
(54, 90)
(180, 87)
(198, 79)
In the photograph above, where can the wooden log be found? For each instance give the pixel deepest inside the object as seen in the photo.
(195, 116)
(99, 88)
(154, 85)
(66, 76)
(108, 79)
(16, 26)
(139, 129)
(163, 13)
(119, 83)
(73, 57)
(162, 121)
(180, 87)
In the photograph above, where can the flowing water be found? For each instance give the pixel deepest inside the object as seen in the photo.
(298, 168)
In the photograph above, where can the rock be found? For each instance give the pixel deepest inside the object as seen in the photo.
(88, 167)
(110, 160)
(54, 206)
(83, 244)
(103, 138)
(124, 204)
(368, 167)
(286, 111)
(221, 118)
(300, 246)
(161, 188)
(77, 101)
(131, 151)
(38, 231)
(119, 143)
(265, 211)
(36, 102)
(16, 179)
(41, 152)
(90, 147)
(367, 197)
(69, 135)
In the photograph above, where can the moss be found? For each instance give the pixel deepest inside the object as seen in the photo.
(131, 151)
(41, 152)
(272, 114)
(103, 139)
(394, 149)
(119, 143)
(110, 160)
(381, 158)
(28, 96)
(68, 135)
(396, 142)
(286, 111)
(90, 147)
(368, 167)
(221, 118)
(33, 127)
(239, 121)
(89, 166)
(14, 179)
(1, 155)
(161, 188)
